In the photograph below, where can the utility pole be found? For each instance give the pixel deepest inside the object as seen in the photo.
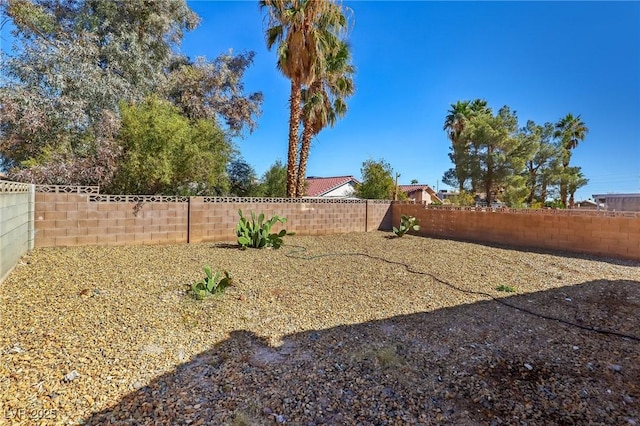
(395, 192)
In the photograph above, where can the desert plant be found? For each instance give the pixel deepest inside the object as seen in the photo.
(407, 223)
(210, 284)
(505, 288)
(257, 233)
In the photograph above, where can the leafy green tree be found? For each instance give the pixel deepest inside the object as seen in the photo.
(274, 181)
(305, 32)
(464, 199)
(457, 119)
(75, 61)
(570, 130)
(165, 153)
(497, 153)
(242, 179)
(214, 91)
(323, 103)
(544, 168)
(377, 181)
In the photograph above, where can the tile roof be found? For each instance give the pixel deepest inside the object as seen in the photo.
(413, 188)
(318, 186)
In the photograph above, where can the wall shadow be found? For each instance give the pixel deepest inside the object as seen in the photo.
(480, 363)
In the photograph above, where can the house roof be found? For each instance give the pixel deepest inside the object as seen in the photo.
(415, 187)
(318, 186)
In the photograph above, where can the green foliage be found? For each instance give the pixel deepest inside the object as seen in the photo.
(256, 233)
(463, 199)
(165, 153)
(505, 288)
(377, 181)
(407, 223)
(211, 284)
(554, 204)
(274, 181)
(242, 179)
(74, 62)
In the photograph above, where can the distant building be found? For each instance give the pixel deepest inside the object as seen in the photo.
(420, 193)
(335, 187)
(586, 205)
(445, 195)
(618, 202)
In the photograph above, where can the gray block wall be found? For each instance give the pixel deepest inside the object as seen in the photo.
(17, 234)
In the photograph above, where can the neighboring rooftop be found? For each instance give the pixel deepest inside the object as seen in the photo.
(323, 186)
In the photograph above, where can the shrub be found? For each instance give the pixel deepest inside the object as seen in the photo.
(407, 223)
(210, 284)
(256, 233)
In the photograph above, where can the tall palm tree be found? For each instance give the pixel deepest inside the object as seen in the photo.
(324, 103)
(571, 131)
(457, 119)
(305, 32)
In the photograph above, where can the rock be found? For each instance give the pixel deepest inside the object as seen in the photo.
(15, 349)
(615, 368)
(71, 376)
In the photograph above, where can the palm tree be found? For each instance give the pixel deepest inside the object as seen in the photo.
(305, 32)
(571, 131)
(457, 119)
(324, 103)
(575, 180)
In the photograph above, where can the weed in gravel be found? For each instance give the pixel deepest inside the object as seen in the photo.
(506, 288)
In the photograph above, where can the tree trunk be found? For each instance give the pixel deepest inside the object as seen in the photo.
(563, 179)
(292, 155)
(305, 147)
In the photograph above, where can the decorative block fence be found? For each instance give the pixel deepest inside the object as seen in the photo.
(46, 216)
(76, 219)
(600, 233)
(16, 223)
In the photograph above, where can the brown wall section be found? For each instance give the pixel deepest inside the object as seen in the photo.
(66, 219)
(72, 220)
(216, 219)
(596, 233)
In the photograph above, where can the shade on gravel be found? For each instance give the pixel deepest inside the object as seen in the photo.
(326, 330)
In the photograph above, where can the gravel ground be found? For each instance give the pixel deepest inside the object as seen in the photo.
(315, 334)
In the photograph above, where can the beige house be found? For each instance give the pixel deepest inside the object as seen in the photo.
(420, 193)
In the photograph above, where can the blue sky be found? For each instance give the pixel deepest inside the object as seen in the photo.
(414, 59)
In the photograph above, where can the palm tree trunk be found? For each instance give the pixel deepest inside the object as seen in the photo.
(563, 180)
(292, 155)
(305, 147)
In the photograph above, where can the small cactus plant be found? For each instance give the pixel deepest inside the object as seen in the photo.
(210, 284)
(407, 223)
(257, 233)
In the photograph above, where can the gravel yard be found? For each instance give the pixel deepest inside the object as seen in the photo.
(316, 334)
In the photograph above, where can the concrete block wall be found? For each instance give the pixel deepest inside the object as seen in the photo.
(16, 224)
(379, 215)
(63, 219)
(215, 219)
(606, 234)
(71, 219)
